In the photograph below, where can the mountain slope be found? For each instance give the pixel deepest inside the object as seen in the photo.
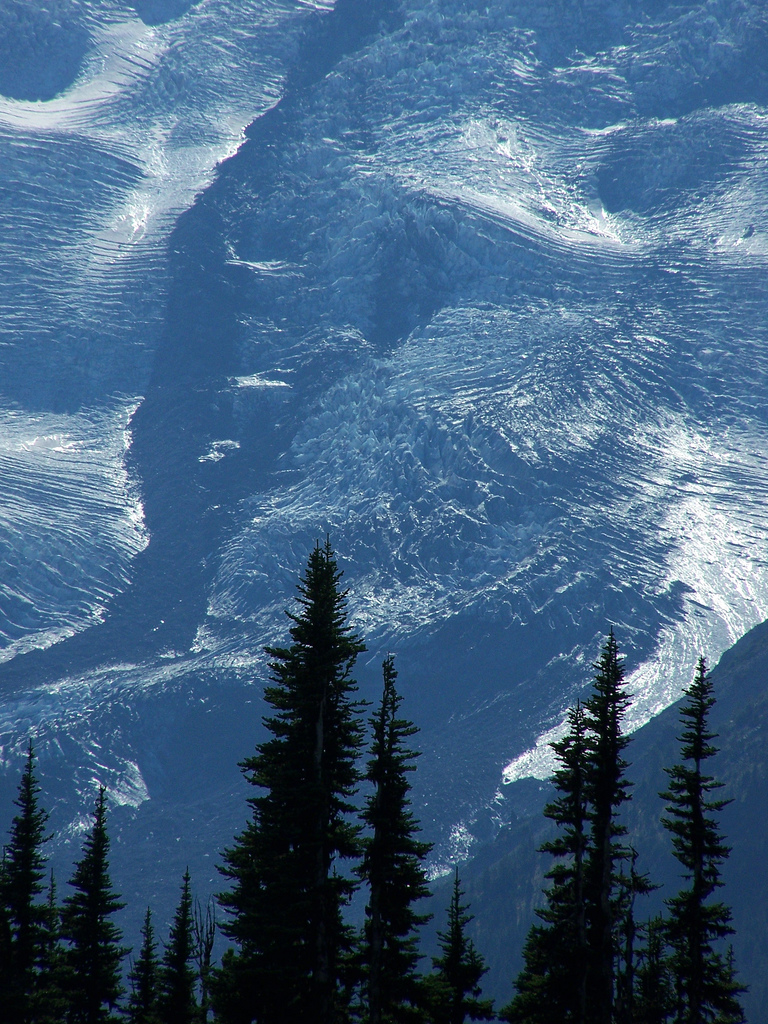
(479, 292)
(504, 881)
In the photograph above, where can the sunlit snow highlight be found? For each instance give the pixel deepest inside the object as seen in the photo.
(70, 522)
(97, 175)
(534, 286)
(719, 553)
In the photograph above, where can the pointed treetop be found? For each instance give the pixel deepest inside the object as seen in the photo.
(455, 989)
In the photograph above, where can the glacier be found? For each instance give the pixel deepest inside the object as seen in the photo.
(478, 290)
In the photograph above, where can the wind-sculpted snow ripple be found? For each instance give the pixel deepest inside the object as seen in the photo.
(93, 178)
(493, 442)
(116, 137)
(626, 293)
(483, 295)
(70, 523)
(48, 306)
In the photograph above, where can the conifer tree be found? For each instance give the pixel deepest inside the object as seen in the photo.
(144, 978)
(177, 977)
(49, 1002)
(286, 868)
(94, 954)
(453, 990)
(551, 988)
(705, 985)
(392, 866)
(23, 884)
(653, 987)
(731, 1011)
(607, 790)
(6, 969)
(631, 886)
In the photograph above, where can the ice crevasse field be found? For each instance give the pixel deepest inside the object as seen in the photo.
(478, 289)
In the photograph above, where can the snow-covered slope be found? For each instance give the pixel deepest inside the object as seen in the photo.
(109, 127)
(481, 292)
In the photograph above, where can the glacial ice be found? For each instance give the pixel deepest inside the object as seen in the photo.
(497, 290)
(70, 522)
(91, 180)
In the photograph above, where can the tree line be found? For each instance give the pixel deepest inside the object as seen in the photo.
(310, 844)
(588, 959)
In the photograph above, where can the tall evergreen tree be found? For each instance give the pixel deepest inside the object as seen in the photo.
(631, 886)
(49, 1002)
(144, 978)
(653, 988)
(453, 989)
(607, 790)
(94, 955)
(23, 884)
(392, 866)
(706, 989)
(731, 1011)
(178, 978)
(551, 988)
(288, 889)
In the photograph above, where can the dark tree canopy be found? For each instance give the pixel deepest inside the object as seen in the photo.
(287, 868)
(49, 1004)
(653, 988)
(607, 789)
(23, 882)
(144, 978)
(552, 987)
(94, 955)
(705, 984)
(579, 960)
(177, 976)
(392, 866)
(308, 847)
(454, 991)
